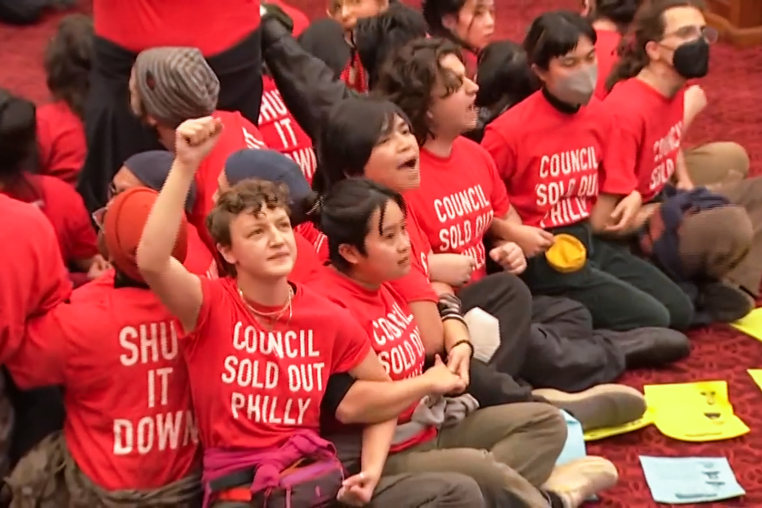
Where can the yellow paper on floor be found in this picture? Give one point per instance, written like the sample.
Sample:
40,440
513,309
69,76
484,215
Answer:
698,411
602,433
750,324
756,375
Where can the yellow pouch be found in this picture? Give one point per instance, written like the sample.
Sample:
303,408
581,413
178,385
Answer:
698,411
602,433
567,254
751,324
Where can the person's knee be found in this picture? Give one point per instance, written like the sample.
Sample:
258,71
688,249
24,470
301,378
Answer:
548,420
734,232
735,157
458,490
680,308
512,288
648,311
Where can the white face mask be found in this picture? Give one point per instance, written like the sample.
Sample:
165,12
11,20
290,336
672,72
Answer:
578,87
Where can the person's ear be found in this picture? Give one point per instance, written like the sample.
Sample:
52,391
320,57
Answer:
350,253
541,73
652,50
450,22
227,254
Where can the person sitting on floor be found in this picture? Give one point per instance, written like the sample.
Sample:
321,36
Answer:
711,242
130,434
241,412
552,152
366,225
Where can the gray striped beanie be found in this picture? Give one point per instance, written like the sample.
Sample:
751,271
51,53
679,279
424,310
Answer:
176,84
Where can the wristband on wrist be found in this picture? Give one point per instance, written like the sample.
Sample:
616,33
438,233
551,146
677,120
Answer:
463,341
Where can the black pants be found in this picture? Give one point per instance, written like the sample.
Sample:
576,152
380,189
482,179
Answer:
544,342
22,12
621,290
114,133
37,413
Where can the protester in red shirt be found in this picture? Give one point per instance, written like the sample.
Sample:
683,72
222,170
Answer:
150,169
130,428
170,85
228,37
718,243
369,246
274,167
281,132
60,132
469,23
58,201
271,374
563,183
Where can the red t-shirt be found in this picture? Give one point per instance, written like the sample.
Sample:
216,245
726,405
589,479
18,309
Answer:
60,141
553,163
301,21
392,330
34,279
66,211
606,52
129,419
238,133
281,132
648,130
208,25
256,387
458,197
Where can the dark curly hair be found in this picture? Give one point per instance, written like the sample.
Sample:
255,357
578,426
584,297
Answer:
68,59
409,77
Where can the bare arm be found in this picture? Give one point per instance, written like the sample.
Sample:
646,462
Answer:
177,288
375,402
430,326
682,175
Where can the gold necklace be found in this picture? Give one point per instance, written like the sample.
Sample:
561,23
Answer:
275,315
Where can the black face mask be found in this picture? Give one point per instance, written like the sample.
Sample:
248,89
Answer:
691,60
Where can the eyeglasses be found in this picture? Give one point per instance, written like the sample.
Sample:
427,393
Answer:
98,216
709,34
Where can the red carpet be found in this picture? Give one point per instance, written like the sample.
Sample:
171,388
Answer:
734,90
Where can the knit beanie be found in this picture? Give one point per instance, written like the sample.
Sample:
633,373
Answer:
123,226
152,168
176,84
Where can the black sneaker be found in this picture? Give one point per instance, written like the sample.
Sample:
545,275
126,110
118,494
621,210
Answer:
725,302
